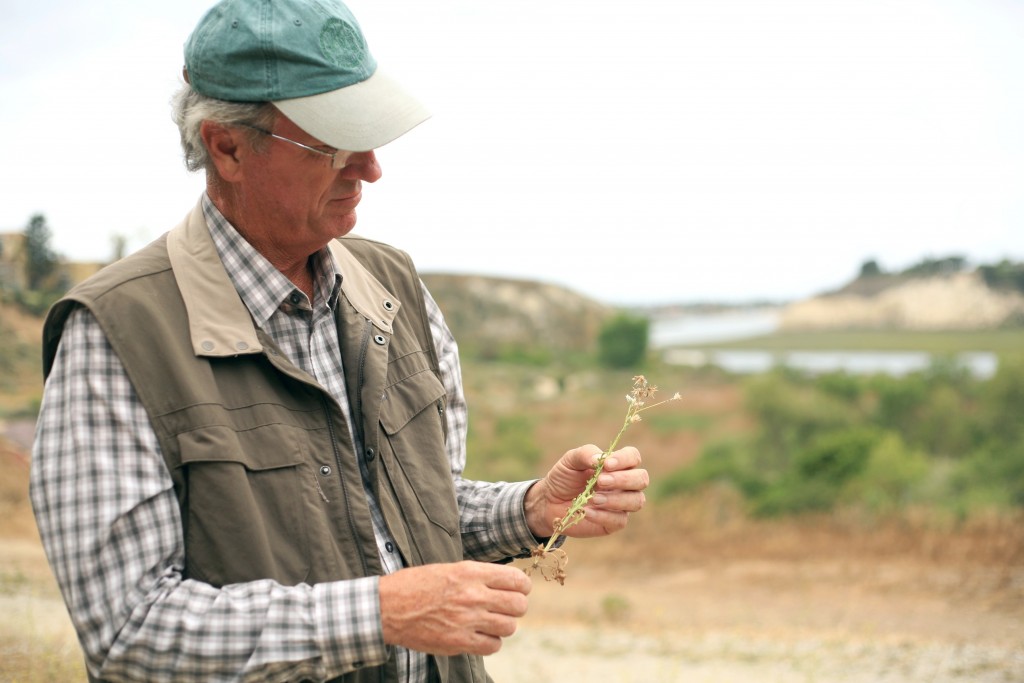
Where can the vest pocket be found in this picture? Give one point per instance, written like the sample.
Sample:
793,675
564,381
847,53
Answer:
417,463
244,504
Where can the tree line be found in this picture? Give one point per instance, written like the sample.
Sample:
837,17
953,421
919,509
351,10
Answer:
1005,274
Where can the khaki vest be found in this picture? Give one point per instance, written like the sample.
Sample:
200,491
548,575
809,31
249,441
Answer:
261,457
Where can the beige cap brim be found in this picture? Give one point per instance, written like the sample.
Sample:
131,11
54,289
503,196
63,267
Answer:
357,118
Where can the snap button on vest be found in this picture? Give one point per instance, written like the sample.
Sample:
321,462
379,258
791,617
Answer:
379,338
370,455
241,346
389,546
388,306
208,346
325,470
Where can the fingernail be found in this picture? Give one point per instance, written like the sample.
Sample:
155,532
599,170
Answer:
611,463
605,480
599,499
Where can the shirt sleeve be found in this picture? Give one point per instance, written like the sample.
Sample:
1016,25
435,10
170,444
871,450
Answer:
111,527
491,515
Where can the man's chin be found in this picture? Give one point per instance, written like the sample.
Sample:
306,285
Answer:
345,225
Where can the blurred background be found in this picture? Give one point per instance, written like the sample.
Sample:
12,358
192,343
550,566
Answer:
806,217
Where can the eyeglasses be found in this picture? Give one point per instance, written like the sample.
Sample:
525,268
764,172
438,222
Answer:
338,157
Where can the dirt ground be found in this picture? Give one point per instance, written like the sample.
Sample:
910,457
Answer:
689,593
754,619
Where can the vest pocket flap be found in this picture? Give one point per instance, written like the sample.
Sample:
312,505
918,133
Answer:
266,448
408,398
246,504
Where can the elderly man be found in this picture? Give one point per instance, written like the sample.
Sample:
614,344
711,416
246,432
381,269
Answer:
248,458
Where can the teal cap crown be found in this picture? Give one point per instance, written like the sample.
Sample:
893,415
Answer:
270,50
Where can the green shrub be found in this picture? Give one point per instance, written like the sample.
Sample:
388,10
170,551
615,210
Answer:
1002,405
991,477
790,414
940,438
725,460
836,457
898,401
793,495
622,341
891,477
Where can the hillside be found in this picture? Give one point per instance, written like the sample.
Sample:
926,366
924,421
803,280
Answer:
20,365
954,301
495,317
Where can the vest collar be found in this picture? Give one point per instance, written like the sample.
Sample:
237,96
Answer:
366,294
219,323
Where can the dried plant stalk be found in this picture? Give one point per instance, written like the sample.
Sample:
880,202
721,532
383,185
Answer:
551,561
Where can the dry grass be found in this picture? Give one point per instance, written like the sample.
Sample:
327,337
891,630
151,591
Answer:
21,382
16,519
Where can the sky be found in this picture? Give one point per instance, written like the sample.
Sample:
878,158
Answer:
641,153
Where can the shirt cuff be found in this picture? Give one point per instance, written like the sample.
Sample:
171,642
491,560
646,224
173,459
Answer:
512,533
348,625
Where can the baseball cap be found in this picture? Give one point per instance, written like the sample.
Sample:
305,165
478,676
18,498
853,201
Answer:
307,57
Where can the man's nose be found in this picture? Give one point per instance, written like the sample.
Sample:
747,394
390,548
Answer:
362,166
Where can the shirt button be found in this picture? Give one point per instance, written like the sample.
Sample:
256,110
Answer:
370,455
325,470
380,339
389,546
295,298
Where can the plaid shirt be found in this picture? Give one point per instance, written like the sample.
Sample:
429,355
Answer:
111,525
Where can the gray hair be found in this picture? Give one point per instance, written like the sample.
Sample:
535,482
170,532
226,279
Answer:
190,109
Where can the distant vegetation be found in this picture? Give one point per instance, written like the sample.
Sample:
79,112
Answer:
927,267
938,439
31,278
1005,274
622,342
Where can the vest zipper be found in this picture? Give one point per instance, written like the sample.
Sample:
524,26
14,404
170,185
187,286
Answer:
357,439
358,411
357,415
344,483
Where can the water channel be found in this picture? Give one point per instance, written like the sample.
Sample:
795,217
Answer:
706,329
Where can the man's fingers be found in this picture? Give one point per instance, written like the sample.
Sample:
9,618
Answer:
609,521
630,480
623,501
506,604
498,626
452,608
508,579
622,459
483,644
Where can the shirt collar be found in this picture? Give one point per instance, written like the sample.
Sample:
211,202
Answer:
262,287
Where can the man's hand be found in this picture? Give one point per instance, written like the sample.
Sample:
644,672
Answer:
619,491
449,609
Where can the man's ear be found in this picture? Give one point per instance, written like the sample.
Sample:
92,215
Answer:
223,144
